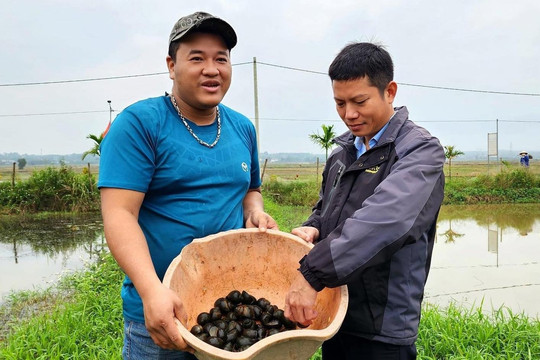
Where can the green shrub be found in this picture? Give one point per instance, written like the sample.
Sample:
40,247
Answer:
51,189
516,186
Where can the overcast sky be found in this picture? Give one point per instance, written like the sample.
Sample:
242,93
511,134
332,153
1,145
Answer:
489,45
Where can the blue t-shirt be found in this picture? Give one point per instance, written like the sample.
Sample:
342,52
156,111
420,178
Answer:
191,191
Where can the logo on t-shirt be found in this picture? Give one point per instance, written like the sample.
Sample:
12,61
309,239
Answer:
245,167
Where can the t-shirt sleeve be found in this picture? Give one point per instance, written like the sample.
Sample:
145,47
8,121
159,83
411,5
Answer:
127,152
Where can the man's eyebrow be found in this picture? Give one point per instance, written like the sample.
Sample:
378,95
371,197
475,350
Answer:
358,97
220,52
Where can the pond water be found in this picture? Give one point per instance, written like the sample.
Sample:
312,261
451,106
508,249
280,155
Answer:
36,250
488,254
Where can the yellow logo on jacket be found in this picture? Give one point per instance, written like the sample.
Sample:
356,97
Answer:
373,170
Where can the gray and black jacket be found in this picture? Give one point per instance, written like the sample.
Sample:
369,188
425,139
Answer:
377,216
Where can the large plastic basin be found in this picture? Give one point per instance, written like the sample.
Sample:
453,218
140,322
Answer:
263,264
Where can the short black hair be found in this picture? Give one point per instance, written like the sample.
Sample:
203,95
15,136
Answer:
173,47
361,59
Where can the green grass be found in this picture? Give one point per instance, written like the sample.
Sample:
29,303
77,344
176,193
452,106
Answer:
80,319
459,333
287,216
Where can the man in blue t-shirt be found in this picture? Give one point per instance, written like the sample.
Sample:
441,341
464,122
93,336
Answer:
175,168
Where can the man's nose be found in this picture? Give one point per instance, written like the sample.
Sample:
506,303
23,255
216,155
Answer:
350,112
210,69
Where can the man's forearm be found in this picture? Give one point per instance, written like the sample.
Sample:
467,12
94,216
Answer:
253,201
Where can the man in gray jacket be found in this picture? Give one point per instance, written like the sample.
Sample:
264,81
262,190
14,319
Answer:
374,224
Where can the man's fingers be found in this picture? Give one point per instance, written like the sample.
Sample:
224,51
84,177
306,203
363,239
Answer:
263,223
180,313
271,223
301,234
167,336
304,235
287,312
174,336
300,301
160,338
298,314
310,314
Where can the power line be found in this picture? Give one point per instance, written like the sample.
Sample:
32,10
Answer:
416,85
95,79
55,113
453,121
83,80
271,65
292,68
471,90
275,119
417,121
306,120
520,121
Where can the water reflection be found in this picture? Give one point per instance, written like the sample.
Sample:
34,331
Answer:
482,253
487,254
35,250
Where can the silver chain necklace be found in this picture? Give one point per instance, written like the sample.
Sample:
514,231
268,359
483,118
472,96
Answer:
191,131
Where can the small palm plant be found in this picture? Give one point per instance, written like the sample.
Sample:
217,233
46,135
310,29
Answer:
451,152
324,140
97,142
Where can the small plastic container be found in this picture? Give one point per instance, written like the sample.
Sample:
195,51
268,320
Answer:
264,265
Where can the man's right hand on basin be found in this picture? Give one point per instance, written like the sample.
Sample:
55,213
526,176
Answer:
300,301
161,308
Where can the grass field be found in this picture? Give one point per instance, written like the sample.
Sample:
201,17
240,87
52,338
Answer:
308,171
459,169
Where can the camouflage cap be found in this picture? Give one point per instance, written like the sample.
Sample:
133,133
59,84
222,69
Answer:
203,22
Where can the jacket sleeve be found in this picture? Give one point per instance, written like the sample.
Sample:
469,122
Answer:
402,208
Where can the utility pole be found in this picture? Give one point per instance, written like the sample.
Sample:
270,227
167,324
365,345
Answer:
110,111
256,101
499,158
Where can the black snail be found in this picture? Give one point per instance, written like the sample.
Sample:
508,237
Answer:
239,320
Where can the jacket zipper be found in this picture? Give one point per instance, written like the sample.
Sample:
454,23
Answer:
334,186
338,176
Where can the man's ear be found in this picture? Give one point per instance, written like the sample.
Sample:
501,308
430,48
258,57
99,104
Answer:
391,91
170,67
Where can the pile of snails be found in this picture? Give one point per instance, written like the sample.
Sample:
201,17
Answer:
239,320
